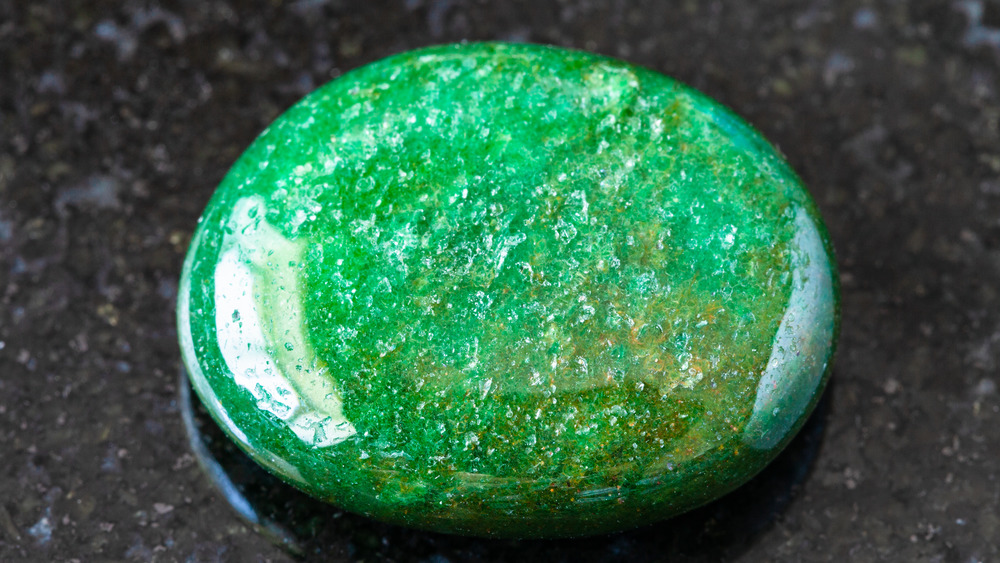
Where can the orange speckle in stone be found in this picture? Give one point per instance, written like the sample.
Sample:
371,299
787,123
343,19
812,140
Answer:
699,366
712,311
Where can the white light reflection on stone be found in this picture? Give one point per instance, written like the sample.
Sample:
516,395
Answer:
260,328
801,345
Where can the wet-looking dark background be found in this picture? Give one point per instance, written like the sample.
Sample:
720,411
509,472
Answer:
118,119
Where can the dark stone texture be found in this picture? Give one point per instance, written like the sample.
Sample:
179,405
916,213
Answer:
118,120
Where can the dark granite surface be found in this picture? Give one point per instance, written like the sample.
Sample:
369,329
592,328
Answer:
117,120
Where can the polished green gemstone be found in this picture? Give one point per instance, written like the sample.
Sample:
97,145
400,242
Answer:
510,290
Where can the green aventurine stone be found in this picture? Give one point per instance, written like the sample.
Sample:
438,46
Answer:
510,290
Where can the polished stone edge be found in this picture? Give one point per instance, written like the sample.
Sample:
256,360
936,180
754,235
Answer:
286,516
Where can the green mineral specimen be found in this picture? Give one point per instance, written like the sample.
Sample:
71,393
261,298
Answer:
510,290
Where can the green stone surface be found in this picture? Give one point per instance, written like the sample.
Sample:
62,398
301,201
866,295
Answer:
510,290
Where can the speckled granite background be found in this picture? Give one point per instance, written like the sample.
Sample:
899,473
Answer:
117,120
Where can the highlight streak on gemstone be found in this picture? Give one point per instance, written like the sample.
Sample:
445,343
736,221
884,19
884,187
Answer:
260,328
794,368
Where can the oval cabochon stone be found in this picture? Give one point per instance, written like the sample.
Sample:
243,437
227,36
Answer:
510,290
